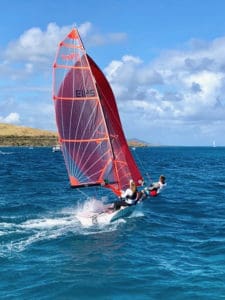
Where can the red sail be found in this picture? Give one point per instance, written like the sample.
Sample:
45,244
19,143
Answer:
90,132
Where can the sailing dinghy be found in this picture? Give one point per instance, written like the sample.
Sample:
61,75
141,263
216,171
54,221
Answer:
90,132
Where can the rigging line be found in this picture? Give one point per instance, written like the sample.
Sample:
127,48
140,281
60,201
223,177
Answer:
61,87
61,102
97,194
142,166
83,193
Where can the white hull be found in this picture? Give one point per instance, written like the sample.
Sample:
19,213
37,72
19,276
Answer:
90,219
56,148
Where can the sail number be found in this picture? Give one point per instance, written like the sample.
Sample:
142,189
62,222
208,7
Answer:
85,93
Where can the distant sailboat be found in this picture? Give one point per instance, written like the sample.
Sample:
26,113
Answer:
56,148
90,132
214,143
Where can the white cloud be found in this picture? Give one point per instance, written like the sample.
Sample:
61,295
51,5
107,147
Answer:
12,118
35,45
180,92
186,86
26,72
34,50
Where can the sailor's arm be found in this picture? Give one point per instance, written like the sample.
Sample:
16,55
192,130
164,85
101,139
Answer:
126,193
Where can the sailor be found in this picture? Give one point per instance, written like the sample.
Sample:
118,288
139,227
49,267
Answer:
130,194
155,188
128,197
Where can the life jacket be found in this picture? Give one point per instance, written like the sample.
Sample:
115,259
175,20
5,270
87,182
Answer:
132,199
153,193
134,195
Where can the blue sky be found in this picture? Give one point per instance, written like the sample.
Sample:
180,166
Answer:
165,61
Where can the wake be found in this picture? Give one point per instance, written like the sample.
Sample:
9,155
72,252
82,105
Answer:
16,236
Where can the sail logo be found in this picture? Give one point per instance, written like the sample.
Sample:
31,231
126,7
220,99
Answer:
85,93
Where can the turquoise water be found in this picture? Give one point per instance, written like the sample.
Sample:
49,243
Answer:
171,247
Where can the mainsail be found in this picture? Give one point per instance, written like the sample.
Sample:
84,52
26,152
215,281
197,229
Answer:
89,127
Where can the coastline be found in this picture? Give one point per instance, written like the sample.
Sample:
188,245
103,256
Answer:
20,136
44,141
27,141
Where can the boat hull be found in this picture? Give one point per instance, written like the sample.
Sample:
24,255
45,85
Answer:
103,218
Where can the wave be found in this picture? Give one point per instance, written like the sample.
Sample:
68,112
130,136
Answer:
5,153
17,236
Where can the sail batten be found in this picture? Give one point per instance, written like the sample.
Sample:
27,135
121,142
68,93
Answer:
71,46
84,141
74,98
89,127
71,67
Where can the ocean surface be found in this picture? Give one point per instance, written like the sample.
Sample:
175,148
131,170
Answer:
171,247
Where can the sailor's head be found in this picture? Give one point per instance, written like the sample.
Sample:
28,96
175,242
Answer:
132,183
162,178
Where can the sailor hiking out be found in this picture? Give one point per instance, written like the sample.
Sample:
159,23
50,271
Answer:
155,188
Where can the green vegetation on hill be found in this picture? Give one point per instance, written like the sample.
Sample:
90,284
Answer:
137,143
11,135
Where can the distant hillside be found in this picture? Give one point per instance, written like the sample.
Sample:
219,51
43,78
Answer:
138,143
12,135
